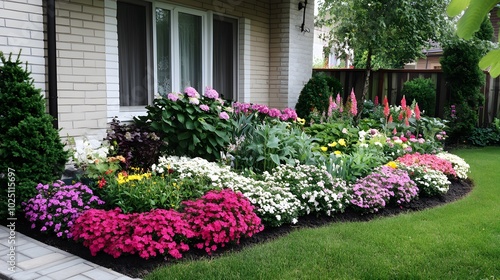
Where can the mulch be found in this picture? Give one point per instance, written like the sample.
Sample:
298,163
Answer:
135,266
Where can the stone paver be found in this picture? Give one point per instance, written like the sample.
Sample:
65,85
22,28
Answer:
39,261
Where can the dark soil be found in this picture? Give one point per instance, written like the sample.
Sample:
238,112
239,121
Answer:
135,266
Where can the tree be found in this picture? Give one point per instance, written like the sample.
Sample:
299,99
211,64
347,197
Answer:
470,22
464,79
393,31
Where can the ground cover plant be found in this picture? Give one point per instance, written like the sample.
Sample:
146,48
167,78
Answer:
271,170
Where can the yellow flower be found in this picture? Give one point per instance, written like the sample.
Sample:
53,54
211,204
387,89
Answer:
342,142
324,148
333,144
301,121
392,164
337,152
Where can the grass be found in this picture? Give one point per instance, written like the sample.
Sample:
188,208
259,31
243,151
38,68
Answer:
460,240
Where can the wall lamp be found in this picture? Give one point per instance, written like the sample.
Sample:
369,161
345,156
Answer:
303,5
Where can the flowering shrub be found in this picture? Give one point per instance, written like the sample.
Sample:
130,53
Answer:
57,206
430,182
191,124
386,184
313,186
221,217
459,165
429,160
147,234
264,112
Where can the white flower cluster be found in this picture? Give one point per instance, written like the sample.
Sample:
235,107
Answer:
459,165
87,152
274,204
429,181
313,186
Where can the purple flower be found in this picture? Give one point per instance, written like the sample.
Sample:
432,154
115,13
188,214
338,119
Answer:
224,116
173,96
211,93
204,107
191,92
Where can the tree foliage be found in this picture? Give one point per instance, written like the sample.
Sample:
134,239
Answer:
470,22
394,31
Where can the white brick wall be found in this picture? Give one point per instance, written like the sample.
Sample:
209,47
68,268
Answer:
81,68
21,29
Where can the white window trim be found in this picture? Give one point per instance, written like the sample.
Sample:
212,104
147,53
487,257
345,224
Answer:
206,60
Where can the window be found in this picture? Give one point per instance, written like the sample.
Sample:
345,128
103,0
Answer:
225,56
191,48
134,53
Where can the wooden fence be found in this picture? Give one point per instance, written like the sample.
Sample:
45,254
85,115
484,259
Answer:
389,82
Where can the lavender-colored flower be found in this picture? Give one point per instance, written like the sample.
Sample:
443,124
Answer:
191,92
173,96
204,107
224,116
211,93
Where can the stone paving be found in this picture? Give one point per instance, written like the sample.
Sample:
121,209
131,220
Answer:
36,260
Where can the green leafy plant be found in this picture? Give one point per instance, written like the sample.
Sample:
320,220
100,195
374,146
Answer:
313,99
190,124
29,143
273,144
422,91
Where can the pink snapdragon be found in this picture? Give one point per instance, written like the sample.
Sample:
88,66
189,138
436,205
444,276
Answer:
354,104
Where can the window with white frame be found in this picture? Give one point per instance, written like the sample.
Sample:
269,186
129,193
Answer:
191,48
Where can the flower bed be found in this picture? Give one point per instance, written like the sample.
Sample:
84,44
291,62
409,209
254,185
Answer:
262,168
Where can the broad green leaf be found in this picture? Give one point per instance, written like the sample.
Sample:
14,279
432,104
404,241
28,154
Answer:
184,135
180,117
275,158
492,60
190,110
471,21
456,7
273,143
189,124
196,140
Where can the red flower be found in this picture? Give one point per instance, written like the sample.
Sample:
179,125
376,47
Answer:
417,112
102,183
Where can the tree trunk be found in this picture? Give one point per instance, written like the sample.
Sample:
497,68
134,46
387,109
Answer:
367,76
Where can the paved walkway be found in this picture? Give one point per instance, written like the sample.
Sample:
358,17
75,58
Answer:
36,260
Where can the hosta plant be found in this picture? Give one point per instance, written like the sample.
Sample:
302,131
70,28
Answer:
57,206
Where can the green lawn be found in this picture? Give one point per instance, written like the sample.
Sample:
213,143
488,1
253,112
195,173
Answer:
460,240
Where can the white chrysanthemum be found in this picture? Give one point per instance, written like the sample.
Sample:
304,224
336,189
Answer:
459,165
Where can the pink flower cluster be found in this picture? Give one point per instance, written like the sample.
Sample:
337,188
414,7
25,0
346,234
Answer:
57,206
429,160
265,111
382,186
220,217
217,218
146,234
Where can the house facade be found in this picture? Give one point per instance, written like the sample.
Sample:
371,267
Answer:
111,57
